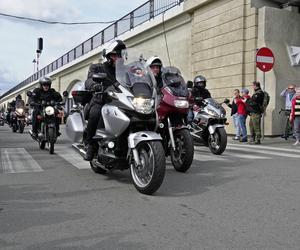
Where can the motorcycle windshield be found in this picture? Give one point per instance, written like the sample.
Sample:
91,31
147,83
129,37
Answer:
211,102
172,78
136,77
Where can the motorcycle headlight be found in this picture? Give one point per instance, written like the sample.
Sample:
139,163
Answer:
20,111
181,104
49,110
142,105
211,112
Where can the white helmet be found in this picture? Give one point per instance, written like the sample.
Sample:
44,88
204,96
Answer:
116,47
154,61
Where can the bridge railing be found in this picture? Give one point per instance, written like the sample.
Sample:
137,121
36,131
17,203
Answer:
142,14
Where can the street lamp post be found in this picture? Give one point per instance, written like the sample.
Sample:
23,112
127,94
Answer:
34,62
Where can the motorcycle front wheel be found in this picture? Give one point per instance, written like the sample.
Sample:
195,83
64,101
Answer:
149,175
217,141
51,139
21,127
183,155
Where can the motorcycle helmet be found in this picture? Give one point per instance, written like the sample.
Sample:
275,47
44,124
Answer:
154,61
19,97
115,47
200,82
45,81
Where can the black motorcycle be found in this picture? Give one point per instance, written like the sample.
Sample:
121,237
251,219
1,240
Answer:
18,119
47,134
2,119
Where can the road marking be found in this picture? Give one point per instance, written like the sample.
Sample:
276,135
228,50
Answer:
227,155
72,157
18,160
261,151
289,150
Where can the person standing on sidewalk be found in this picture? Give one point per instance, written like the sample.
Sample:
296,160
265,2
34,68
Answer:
288,93
234,114
295,115
254,107
242,113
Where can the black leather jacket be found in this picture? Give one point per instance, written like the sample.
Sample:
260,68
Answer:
40,95
203,93
109,81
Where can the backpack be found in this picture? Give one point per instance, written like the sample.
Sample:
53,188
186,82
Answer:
265,102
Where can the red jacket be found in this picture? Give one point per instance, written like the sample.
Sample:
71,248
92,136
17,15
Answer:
295,108
242,105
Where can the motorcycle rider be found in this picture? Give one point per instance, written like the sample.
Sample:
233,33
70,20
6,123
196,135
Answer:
155,65
43,93
112,53
199,93
17,103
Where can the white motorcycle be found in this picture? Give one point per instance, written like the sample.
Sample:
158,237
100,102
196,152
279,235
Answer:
128,139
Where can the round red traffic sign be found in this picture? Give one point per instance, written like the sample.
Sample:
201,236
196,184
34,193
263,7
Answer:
264,59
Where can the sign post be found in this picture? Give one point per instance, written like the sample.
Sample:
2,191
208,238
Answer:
264,61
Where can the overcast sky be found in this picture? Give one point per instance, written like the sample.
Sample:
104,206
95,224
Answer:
18,38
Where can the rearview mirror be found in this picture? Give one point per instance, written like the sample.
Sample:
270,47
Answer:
65,93
189,84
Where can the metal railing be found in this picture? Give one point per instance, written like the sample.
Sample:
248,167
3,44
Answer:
142,14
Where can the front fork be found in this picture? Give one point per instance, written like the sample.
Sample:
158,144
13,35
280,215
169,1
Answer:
171,134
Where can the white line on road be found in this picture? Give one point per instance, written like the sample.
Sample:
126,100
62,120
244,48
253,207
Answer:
18,160
261,151
289,150
227,155
72,157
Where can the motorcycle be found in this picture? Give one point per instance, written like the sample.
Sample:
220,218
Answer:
2,119
18,119
128,139
47,133
208,126
172,112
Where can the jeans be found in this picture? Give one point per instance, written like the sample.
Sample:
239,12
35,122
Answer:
190,116
236,125
242,124
297,127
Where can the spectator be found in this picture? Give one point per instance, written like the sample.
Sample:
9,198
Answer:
254,107
242,114
295,115
288,93
234,114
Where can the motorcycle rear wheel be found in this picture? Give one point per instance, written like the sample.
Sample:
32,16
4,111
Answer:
148,177
217,142
182,157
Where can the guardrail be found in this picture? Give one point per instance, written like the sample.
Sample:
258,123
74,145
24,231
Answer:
143,13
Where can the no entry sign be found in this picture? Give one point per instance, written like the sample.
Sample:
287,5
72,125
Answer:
265,59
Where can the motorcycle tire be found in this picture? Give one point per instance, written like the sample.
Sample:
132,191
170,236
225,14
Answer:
221,141
51,140
21,127
97,167
182,157
149,177
14,128
42,144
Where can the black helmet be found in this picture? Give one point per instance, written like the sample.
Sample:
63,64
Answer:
115,47
200,82
19,97
45,81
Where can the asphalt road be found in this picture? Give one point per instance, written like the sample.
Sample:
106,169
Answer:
247,198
